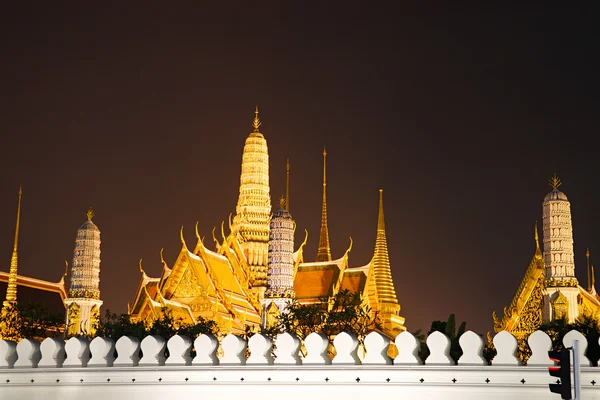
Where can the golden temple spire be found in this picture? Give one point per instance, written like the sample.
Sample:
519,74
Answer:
256,122
11,290
555,182
382,271
324,251
90,214
287,185
538,252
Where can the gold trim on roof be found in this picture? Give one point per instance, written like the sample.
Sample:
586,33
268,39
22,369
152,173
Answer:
555,182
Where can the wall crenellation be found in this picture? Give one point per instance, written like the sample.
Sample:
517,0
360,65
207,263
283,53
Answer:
80,368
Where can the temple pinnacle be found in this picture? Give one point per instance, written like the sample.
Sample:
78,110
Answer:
324,251
287,185
90,213
555,182
11,290
256,123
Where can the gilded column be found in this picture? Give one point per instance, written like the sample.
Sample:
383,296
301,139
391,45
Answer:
253,210
83,303
324,250
561,290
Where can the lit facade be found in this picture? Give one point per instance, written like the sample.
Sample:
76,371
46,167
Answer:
254,269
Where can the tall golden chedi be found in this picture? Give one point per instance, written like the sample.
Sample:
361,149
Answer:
253,210
9,312
83,303
11,290
381,290
245,281
549,290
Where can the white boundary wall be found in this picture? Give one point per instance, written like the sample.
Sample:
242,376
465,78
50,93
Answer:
78,369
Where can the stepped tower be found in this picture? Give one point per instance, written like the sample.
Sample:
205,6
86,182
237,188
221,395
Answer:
280,287
251,222
561,286
83,304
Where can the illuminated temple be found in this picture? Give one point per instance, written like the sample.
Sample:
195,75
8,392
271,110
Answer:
253,270
549,290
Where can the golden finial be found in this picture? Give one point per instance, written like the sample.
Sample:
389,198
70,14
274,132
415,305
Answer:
305,238
181,237
162,260
555,182
282,202
90,213
223,231
66,269
349,247
538,251
197,234
256,123
215,237
141,269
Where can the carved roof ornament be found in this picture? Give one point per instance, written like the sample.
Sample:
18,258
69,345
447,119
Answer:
282,202
90,214
538,251
256,122
555,182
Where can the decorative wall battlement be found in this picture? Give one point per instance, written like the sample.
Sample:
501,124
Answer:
81,368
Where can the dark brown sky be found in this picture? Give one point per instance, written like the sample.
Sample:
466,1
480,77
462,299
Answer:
460,114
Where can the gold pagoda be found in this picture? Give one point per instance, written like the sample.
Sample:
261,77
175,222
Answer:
228,283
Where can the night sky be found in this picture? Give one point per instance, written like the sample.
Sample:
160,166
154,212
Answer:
461,115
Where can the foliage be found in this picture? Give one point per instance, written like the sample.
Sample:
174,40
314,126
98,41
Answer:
29,320
346,313
114,326
448,328
586,324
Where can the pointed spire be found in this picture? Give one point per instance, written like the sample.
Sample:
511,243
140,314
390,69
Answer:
256,122
538,251
324,251
382,271
11,290
593,280
287,185
589,271
90,213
